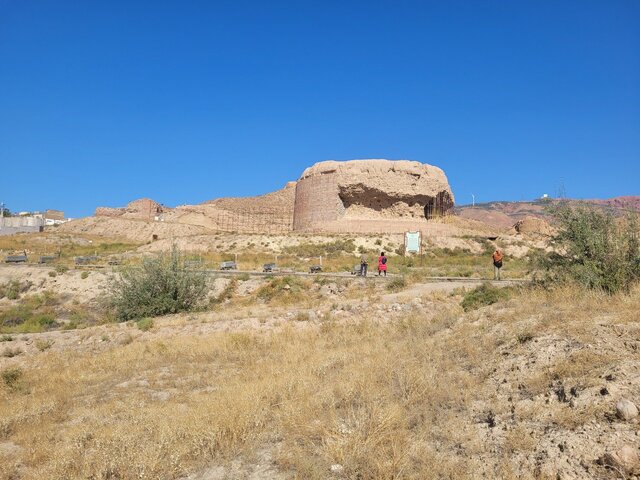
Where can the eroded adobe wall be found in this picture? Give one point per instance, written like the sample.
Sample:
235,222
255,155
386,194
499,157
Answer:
316,202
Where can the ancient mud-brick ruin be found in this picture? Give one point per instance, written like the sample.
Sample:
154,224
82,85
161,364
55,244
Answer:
370,196
143,208
356,196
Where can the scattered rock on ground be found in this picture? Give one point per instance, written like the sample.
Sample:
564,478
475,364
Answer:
626,409
329,289
625,459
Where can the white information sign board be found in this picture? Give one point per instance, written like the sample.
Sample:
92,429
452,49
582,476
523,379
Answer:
412,242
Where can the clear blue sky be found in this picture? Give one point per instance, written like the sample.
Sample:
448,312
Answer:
185,101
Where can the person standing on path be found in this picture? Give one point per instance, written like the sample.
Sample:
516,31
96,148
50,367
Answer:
497,263
382,264
363,265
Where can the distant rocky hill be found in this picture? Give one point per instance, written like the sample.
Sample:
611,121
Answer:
507,214
630,202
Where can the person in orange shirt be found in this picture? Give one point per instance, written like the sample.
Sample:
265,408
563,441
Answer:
497,263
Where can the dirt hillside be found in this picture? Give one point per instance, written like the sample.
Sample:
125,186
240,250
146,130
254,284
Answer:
331,380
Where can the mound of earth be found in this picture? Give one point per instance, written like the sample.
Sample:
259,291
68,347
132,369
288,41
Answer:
533,225
279,202
143,208
130,229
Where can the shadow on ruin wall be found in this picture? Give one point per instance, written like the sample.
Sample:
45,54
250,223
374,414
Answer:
359,200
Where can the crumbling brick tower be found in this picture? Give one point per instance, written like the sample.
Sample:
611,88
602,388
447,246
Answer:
369,196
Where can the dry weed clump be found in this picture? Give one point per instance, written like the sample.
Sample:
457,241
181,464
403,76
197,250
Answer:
12,289
11,377
427,396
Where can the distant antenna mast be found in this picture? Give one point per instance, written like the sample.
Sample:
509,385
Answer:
473,200
562,192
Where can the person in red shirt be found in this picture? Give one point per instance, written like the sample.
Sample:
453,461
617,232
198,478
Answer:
497,263
382,264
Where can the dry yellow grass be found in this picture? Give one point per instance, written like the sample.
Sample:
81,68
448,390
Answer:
68,246
408,398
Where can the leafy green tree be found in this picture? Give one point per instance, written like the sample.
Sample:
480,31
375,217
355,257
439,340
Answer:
594,248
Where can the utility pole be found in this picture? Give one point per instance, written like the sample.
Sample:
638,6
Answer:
562,191
1,214
473,200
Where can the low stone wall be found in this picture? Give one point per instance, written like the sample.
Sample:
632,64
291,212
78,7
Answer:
11,225
380,226
13,230
21,222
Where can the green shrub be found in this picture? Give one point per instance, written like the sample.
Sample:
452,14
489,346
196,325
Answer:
49,298
594,249
53,274
145,324
81,316
26,318
396,284
84,275
60,269
71,325
485,294
161,285
12,290
464,272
